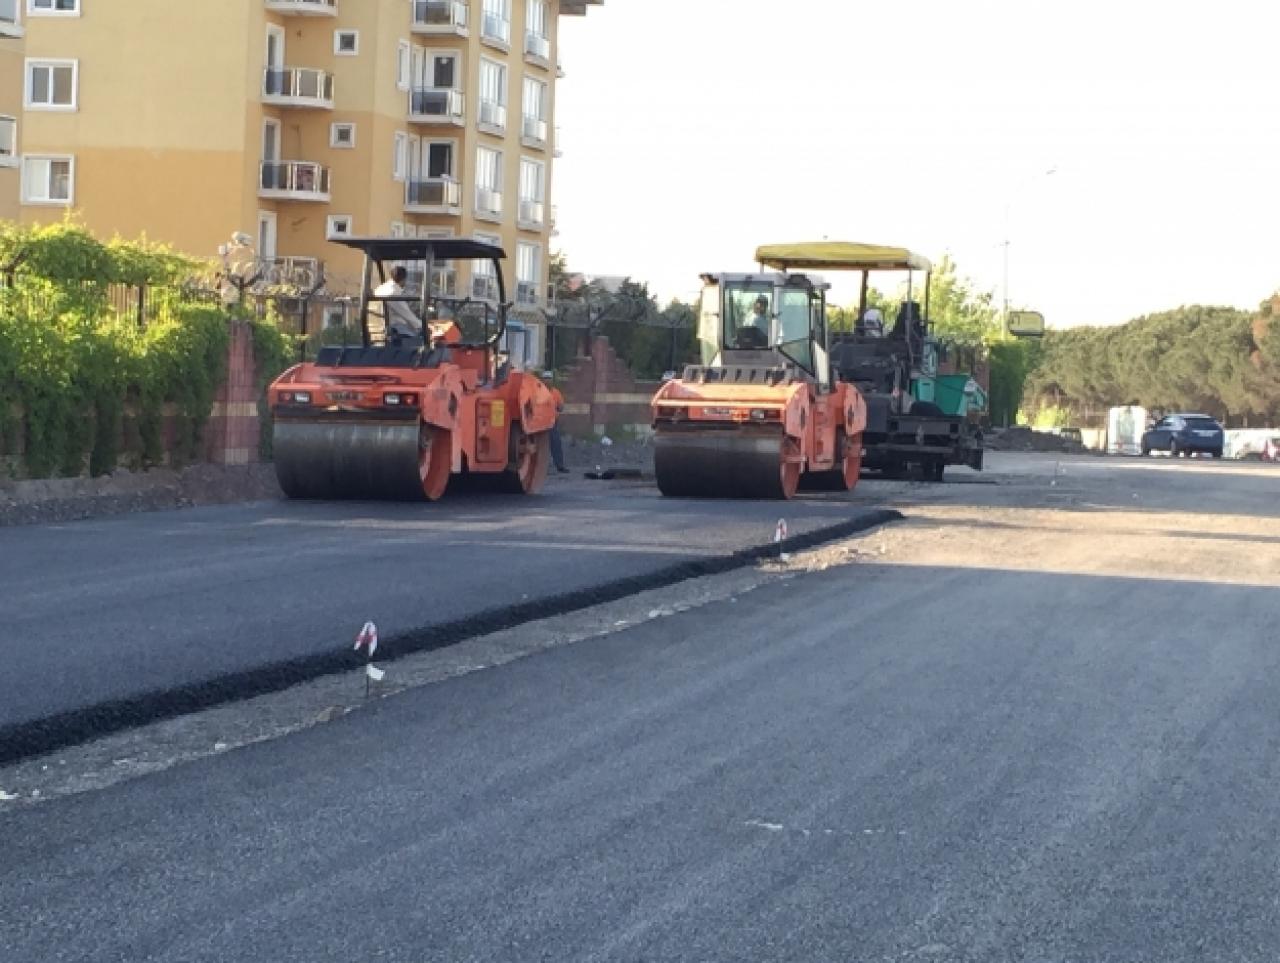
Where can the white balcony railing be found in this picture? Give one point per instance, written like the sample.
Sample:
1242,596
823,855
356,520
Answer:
304,8
556,149
294,180
537,47
298,272
10,26
533,132
532,214
435,105
440,16
488,202
297,87
495,28
493,115
526,292
433,195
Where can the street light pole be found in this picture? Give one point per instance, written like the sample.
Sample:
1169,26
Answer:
1008,207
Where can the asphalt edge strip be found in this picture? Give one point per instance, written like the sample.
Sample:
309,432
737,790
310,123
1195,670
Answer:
24,740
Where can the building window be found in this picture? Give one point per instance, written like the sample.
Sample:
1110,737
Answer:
397,229
496,23
536,18
533,179
537,36
535,127
528,272
53,8
438,156
404,64
438,72
48,180
51,84
342,136
346,43
488,181
493,95
8,141
339,225
484,280
400,155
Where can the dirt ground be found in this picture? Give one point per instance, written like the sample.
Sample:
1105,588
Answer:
65,499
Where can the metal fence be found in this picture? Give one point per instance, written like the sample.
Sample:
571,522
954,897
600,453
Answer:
143,303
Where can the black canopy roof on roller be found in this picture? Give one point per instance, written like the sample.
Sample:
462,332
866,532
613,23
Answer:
415,248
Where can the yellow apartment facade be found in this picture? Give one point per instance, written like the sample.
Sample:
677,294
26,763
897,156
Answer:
11,47
292,121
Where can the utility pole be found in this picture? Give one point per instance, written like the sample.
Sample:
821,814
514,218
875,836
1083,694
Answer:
1008,207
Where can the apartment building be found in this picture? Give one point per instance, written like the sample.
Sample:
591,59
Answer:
292,121
11,46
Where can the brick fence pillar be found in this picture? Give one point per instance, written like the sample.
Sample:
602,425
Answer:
232,432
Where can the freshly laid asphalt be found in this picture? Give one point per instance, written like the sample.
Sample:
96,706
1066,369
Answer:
97,613
984,760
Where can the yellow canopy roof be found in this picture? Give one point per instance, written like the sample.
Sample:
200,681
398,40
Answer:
840,256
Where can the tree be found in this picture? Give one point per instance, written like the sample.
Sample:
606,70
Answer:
1195,357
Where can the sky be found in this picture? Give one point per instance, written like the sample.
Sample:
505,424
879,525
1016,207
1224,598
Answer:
695,130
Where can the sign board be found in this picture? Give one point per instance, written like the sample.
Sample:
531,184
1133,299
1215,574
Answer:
1026,324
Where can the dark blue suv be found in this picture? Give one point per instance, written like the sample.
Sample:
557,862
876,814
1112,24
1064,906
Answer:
1183,435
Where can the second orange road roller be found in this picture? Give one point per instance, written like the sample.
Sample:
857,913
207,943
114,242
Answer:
763,415
423,399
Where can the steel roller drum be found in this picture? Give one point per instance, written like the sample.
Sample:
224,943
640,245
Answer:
349,458
732,463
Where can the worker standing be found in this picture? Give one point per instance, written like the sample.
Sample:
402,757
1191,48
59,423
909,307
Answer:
557,445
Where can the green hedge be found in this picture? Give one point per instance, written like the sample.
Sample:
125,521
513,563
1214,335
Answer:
75,366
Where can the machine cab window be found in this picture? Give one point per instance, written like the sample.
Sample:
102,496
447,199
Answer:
748,316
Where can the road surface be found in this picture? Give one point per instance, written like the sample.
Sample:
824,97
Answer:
110,609
1036,721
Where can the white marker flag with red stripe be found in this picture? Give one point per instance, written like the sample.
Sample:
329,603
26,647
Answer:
368,638
780,533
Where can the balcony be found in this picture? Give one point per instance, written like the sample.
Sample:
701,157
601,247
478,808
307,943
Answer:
537,49
555,148
495,31
304,8
484,287
298,272
493,117
440,17
555,219
488,204
297,87
527,292
432,105
294,181
531,216
9,25
433,195
533,133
